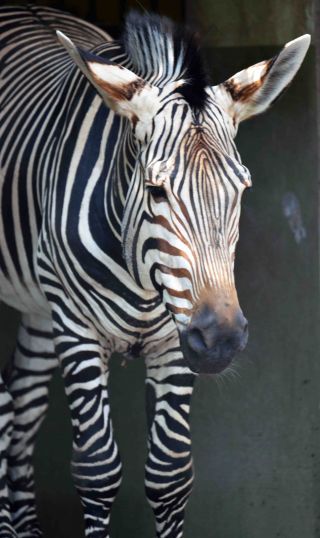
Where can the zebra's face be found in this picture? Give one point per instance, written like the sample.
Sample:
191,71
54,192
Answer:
181,227
181,216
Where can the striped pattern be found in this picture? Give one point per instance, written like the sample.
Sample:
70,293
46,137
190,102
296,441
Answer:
27,378
111,231
6,423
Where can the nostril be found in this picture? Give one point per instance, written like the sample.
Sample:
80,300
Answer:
228,344
196,340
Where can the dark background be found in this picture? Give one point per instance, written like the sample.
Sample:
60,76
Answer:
256,436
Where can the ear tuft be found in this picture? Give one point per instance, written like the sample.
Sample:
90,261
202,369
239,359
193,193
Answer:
299,46
69,46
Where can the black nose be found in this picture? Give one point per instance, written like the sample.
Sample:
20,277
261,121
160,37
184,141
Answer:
213,338
206,331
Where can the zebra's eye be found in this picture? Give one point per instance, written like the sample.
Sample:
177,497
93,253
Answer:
158,193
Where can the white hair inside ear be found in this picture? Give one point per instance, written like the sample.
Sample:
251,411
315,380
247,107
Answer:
253,90
123,91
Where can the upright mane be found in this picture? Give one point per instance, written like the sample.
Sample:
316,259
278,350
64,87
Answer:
162,51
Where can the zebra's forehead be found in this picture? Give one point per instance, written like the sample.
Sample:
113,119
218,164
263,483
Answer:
177,120
198,158
193,144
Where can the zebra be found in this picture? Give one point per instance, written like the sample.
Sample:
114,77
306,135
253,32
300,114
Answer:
120,200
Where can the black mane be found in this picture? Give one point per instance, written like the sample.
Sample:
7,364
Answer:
162,51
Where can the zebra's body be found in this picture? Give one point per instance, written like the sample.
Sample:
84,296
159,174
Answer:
106,246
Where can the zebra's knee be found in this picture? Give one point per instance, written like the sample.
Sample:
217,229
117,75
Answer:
97,475
168,481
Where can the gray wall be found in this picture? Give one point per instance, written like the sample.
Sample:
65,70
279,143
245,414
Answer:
243,23
256,436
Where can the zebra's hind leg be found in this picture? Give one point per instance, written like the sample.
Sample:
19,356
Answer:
28,376
169,469
6,421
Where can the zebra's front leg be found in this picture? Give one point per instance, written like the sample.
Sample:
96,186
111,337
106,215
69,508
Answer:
6,421
96,465
169,469
28,376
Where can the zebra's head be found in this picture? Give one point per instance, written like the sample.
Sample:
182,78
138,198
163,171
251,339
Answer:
181,216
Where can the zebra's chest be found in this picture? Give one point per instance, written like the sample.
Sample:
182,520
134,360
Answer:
97,285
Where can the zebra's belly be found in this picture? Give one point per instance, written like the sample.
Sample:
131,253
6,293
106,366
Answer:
25,297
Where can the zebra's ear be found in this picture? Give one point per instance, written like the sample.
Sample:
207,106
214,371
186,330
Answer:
253,90
122,90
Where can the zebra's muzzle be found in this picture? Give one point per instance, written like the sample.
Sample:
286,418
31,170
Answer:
213,338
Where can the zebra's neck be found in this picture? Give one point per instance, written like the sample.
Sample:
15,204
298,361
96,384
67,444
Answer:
116,188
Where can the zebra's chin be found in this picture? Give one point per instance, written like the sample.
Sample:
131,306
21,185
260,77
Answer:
200,365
